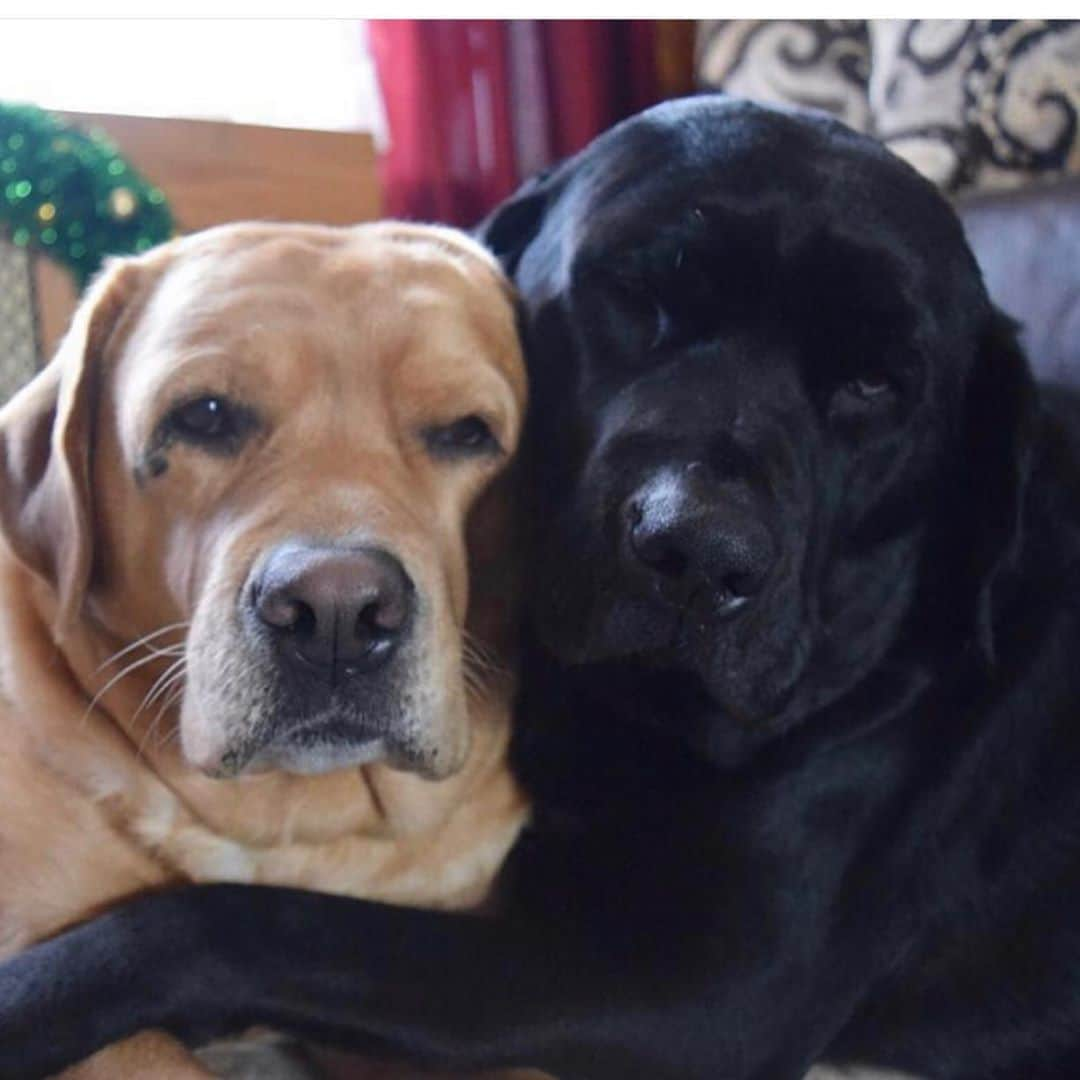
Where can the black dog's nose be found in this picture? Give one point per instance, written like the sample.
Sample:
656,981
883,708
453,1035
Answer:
344,609
685,536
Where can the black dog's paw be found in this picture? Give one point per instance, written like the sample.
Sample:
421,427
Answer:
131,970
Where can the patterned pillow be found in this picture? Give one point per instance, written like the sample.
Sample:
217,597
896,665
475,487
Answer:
823,64
971,103
978,103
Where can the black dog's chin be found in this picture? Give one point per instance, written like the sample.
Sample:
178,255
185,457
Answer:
742,672
624,630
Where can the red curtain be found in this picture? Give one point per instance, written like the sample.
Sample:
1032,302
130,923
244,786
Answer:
476,106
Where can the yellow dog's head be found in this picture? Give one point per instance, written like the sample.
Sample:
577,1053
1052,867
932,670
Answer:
272,437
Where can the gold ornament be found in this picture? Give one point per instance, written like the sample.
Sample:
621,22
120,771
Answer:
122,203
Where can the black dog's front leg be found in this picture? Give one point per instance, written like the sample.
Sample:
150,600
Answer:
207,962
447,989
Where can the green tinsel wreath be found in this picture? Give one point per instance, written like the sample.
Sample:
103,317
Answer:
71,195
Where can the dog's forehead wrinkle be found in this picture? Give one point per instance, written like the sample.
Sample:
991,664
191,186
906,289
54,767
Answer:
658,256
239,296
251,360
201,299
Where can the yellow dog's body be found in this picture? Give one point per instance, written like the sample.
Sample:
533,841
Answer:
119,564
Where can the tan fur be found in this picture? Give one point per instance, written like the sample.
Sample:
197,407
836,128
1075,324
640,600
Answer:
348,342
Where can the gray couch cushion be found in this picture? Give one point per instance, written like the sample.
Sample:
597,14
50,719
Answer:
1028,244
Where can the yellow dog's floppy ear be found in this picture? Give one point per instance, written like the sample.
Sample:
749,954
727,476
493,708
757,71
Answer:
46,443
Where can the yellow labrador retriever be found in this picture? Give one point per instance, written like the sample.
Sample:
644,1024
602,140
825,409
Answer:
238,633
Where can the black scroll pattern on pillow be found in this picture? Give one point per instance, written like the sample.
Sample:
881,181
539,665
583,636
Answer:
815,63
979,103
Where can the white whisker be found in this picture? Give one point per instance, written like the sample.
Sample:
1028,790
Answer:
170,698
479,654
479,666
161,683
123,673
174,734
143,641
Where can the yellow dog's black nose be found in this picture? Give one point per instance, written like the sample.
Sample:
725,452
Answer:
342,609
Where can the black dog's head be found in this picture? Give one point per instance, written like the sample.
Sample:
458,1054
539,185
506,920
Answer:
776,420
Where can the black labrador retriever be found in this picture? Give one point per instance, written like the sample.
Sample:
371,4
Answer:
801,711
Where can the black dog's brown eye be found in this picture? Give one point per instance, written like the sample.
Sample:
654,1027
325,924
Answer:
863,398
869,387
210,421
469,435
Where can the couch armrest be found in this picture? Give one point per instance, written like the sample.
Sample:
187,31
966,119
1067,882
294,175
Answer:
1028,245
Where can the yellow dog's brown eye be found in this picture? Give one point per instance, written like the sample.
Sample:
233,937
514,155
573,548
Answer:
469,435
211,421
207,418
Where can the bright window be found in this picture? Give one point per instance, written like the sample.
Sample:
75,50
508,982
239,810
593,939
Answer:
309,73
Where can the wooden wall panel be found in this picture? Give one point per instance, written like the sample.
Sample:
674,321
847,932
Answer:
217,172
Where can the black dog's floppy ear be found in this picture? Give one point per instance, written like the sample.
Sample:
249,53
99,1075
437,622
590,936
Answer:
509,229
1001,417
46,436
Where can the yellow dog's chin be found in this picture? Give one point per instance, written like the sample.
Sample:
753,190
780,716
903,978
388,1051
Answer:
329,744
313,759
307,753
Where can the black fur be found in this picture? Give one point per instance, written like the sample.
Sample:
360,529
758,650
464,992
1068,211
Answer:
842,823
